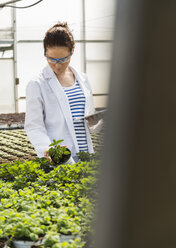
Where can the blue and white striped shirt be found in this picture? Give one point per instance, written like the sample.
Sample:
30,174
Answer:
76,101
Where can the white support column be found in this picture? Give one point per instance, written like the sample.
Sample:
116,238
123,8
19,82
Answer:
84,36
16,80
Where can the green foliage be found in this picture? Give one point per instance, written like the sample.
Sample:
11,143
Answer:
86,156
45,164
58,154
28,171
38,199
53,240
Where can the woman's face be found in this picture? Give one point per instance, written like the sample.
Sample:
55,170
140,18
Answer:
57,53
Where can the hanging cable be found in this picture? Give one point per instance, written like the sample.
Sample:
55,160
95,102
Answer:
23,7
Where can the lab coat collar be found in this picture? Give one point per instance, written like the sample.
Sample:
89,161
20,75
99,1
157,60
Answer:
78,75
48,73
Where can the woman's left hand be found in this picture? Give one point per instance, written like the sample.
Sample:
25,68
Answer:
92,121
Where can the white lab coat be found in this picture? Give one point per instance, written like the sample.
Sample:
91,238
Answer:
48,114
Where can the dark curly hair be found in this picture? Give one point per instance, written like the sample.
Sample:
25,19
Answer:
59,35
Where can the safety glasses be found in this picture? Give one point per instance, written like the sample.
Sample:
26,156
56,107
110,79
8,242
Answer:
60,61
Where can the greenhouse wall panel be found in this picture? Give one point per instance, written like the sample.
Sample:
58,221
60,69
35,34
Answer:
99,51
99,73
48,13
99,19
7,86
100,101
5,18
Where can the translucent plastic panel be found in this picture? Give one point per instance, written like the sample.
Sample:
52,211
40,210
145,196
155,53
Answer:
6,54
32,23
77,57
30,61
100,101
99,19
22,105
6,23
98,74
98,51
7,86
5,17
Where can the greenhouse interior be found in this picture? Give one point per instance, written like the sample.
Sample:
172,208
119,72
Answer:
48,170
87,124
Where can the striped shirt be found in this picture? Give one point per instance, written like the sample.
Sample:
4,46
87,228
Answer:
76,101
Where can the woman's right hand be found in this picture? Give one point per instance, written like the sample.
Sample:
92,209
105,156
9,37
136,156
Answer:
46,155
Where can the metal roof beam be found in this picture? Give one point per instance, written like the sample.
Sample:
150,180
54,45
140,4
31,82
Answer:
8,2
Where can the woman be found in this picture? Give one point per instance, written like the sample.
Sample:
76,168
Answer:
58,99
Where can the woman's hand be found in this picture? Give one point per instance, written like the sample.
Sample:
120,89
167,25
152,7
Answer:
92,121
46,154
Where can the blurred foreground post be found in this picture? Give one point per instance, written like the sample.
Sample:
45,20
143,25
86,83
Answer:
138,182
